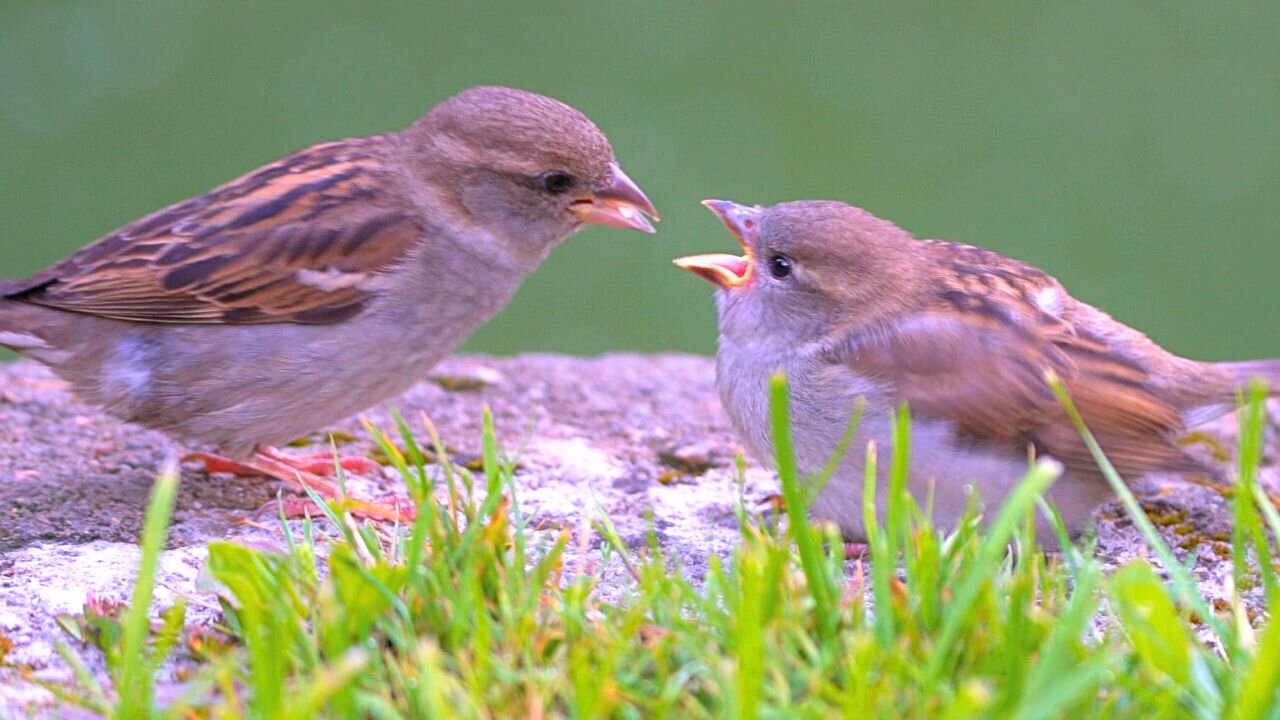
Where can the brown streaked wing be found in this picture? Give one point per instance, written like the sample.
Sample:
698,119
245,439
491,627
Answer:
977,366
304,240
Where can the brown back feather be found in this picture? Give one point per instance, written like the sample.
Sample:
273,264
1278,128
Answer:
302,240
977,355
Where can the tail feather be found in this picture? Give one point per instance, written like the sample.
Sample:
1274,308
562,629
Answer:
1248,371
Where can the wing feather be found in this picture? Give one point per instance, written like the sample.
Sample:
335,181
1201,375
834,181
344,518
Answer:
979,357
307,239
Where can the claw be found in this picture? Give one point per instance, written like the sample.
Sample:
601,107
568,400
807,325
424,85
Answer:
322,464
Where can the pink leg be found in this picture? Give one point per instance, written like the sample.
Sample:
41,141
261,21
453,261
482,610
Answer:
321,463
856,551
269,462
220,464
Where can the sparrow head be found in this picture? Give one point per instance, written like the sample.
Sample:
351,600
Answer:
809,268
525,164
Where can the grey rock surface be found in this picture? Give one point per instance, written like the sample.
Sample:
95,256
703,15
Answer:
635,437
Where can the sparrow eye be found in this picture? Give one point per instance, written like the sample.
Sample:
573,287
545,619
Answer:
556,182
779,266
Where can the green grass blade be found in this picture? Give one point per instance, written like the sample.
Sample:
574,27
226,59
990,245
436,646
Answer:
1183,583
986,565
1248,521
802,532
135,678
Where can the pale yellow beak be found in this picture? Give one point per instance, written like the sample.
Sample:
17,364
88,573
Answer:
621,203
726,271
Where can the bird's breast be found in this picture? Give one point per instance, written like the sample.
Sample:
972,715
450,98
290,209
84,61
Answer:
822,397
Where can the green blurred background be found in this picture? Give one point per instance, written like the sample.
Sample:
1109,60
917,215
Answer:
1132,150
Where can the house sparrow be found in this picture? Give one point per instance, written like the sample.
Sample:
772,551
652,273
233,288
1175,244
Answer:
850,306
322,283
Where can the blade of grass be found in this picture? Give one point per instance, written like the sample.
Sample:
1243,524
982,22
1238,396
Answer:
898,513
135,681
1258,694
986,564
310,698
801,531
883,556
1058,678
1183,582
90,693
1248,523
819,480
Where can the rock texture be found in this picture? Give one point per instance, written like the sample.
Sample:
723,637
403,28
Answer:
635,436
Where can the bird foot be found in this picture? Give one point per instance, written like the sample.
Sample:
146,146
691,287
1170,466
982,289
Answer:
302,473
218,464
320,463
856,550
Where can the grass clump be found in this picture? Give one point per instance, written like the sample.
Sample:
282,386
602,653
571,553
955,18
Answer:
469,612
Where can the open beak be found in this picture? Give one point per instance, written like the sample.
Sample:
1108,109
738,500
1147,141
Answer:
728,271
621,204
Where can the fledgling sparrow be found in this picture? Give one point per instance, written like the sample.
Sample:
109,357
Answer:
324,282
850,306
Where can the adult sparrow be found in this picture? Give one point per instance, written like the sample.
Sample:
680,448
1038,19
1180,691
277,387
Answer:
324,282
850,306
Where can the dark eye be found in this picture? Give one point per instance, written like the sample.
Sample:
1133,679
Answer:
556,182
779,266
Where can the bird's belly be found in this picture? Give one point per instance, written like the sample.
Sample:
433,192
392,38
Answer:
264,384
245,385
948,470
945,474
820,409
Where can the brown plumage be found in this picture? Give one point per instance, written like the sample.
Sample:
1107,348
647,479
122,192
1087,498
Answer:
965,336
301,240
325,282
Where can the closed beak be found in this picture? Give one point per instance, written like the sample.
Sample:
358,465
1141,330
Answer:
621,203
